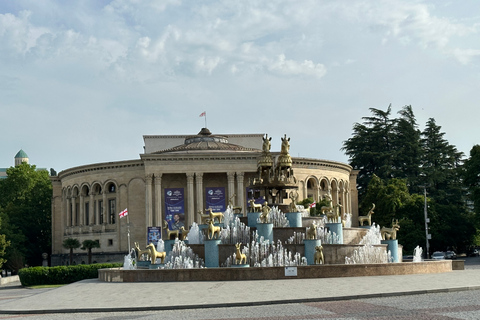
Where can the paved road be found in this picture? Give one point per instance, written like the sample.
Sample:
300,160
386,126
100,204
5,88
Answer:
445,296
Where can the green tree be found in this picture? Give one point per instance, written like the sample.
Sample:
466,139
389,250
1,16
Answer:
408,149
89,245
371,146
3,245
25,200
71,243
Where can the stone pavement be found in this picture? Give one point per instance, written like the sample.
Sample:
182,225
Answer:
95,296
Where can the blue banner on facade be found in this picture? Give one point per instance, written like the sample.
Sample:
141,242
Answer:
154,234
174,208
215,199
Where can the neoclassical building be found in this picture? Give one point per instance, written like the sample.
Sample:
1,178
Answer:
175,177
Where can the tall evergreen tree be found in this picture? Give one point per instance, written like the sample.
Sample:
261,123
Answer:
471,178
370,147
408,150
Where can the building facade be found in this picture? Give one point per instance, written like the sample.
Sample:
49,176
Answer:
176,177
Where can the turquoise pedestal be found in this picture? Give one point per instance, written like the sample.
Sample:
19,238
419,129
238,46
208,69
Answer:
240,266
143,264
338,229
252,219
294,219
168,246
310,249
157,266
392,246
265,230
211,253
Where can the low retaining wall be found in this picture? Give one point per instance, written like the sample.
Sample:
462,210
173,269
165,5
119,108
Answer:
272,273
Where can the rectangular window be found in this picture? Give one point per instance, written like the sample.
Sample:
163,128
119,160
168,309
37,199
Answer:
110,242
100,210
111,210
87,214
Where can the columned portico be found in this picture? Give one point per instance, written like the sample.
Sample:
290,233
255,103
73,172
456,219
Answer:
148,200
240,191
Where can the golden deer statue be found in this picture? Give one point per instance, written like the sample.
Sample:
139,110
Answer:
203,217
239,256
312,232
254,207
368,217
141,252
390,233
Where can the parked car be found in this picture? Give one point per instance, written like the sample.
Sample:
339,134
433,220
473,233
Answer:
473,253
438,255
450,255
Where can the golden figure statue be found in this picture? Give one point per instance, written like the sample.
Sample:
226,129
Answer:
141,252
284,160
390,233
154,254
239,256
312,232
368,217
213,231
169,232
294,196
265,213
318,255
329,208
215,215
266,159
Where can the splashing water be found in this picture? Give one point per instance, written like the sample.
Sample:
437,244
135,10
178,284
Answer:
182,257
194,235
277,217
235,232
129,262
368,253
417,254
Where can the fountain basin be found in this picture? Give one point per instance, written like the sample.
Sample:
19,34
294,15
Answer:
273,273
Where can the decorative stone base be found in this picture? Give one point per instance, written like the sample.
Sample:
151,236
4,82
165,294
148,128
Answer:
303,272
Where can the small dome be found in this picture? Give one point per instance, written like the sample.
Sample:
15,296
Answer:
21,154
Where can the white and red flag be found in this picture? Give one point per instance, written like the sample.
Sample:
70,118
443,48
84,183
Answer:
124,213
203,114
313,205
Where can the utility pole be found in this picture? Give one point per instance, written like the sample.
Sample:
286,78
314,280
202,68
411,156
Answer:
427,235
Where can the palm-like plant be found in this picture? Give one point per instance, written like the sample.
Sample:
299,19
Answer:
89,245
71,243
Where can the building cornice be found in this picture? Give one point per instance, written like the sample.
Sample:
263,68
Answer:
100,167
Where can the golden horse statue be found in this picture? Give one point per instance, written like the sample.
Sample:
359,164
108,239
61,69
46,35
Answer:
213,231
169,232
390,233
154,254
215,215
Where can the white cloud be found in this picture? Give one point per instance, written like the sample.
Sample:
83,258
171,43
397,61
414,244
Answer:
290,67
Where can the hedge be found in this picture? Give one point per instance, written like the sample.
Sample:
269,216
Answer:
62,274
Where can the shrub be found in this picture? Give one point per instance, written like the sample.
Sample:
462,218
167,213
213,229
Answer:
61,274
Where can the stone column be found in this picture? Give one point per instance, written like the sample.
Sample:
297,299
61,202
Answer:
104,206
91,210
74,211
158,200
97,212
82,210
231,185
199,198
241,191
148,200
190,200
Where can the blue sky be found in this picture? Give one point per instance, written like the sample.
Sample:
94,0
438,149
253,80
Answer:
82,82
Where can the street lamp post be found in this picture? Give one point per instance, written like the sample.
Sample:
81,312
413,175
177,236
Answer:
427,235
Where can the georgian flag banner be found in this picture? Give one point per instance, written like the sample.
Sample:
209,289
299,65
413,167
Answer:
313,205
203,114
123,213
